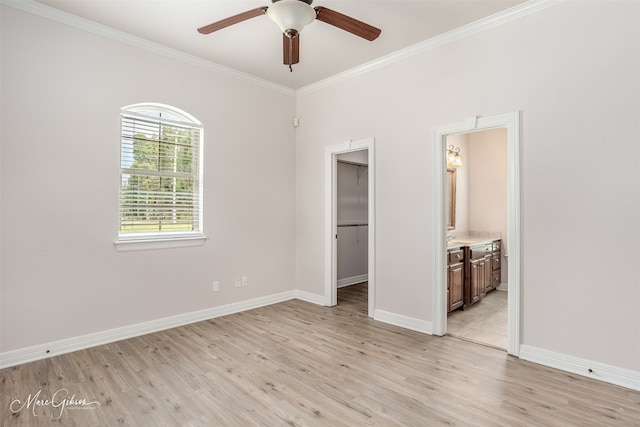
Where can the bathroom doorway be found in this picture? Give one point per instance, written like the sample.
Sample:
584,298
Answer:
477,215
509,122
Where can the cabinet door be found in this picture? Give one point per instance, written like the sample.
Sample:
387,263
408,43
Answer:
476,278
482,282
456,286
488,273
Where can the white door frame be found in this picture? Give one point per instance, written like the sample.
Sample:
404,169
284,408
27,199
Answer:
510,121
331,226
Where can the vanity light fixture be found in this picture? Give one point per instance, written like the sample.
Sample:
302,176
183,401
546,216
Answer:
453,157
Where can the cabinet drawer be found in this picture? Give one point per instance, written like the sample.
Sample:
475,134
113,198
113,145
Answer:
496,278
496,261
456,256
480,251
497,245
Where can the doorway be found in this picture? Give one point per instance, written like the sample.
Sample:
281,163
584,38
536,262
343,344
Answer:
361,227
477,214
510,122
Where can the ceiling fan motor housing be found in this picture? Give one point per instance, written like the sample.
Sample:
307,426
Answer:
291,15
304,1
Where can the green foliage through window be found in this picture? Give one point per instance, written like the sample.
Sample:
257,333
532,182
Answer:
160,185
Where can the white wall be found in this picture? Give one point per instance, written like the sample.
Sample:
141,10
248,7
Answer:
572,70
61,277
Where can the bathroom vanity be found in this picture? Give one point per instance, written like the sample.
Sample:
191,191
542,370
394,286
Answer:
474,268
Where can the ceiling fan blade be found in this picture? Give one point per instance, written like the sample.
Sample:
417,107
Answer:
290,49
207,29
347,23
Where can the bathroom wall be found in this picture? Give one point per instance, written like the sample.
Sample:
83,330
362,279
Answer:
487,159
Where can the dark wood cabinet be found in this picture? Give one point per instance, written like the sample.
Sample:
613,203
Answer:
496,267
455,279
482,271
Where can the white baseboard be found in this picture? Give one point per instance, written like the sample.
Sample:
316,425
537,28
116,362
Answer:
309,297
503,287
607,373
43,351
404,321
599,371
348,281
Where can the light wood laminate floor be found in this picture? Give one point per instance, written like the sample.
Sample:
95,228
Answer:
296,363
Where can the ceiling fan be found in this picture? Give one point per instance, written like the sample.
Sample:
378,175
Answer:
292,16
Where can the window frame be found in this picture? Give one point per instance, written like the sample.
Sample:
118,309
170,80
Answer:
132,241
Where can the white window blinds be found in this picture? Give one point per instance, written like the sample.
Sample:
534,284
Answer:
160,177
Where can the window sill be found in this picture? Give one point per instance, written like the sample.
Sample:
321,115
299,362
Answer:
167,243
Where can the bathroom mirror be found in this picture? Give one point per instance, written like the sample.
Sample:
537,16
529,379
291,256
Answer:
451,195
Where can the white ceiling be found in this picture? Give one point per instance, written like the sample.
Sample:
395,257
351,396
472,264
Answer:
255,46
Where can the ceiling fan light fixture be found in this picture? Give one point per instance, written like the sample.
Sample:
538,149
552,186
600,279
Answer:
291,15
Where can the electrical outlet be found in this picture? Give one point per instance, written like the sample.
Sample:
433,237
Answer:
238,282
245,281
216,286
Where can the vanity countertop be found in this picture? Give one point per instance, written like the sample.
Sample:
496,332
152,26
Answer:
461,242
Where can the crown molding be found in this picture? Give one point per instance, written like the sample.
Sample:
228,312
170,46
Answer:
33,7
495,20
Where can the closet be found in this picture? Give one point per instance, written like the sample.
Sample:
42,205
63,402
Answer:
352,213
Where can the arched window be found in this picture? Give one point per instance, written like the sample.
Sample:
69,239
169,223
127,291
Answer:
160,177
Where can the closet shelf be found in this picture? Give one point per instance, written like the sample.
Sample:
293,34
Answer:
353,224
